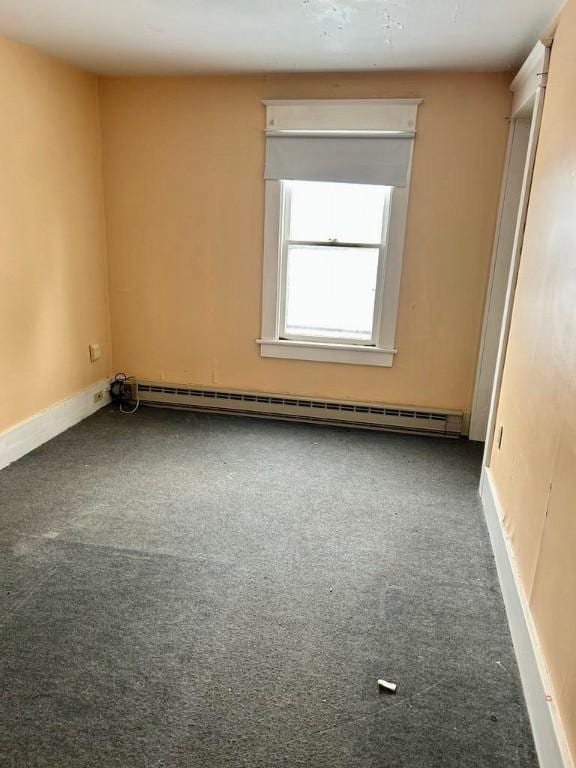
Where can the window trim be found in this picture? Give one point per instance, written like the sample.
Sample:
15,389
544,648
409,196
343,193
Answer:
353,354
381,350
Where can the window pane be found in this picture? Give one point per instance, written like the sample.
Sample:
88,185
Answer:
330,291
350,213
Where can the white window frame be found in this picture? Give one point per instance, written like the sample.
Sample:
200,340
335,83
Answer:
381,349
285,195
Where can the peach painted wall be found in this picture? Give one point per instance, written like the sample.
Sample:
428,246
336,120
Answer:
53,276
183,160
534,471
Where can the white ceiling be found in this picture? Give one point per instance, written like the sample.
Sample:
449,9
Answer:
161,36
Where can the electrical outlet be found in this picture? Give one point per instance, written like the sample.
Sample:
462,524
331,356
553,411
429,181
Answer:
98,396
95,352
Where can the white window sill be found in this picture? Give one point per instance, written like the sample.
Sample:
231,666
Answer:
352,354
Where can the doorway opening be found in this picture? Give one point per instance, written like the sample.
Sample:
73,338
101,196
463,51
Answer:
528,89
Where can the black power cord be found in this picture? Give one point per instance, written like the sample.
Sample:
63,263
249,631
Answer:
121,391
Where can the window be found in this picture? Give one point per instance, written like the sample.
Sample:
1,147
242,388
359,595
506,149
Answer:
336,204
333,252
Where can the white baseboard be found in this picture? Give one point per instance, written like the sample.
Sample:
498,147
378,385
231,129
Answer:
38,429
549,736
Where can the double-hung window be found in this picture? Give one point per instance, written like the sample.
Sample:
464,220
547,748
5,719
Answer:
333,258
337,177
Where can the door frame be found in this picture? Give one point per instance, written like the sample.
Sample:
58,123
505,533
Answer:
528,89
512,178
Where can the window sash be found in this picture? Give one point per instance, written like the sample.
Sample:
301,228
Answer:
285,242
334,244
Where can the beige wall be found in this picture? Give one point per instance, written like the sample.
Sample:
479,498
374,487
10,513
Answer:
183,161
53,291
535,469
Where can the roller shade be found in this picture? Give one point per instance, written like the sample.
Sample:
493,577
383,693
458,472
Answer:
354,159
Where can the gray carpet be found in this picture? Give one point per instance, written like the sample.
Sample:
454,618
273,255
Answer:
187,591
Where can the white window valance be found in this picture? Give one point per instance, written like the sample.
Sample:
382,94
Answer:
364,142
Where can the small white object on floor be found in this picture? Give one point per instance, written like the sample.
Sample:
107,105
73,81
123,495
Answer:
390,687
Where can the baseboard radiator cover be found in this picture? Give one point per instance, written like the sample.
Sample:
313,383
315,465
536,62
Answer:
395,418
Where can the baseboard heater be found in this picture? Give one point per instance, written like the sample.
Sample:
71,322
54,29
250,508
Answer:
423,421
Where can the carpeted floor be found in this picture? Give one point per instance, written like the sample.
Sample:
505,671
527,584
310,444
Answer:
194,591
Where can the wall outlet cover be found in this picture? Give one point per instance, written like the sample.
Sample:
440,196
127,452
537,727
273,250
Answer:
95,352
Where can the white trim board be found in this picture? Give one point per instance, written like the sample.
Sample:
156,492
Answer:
398,115
24,437
526,82
549,736
353,354
512,180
